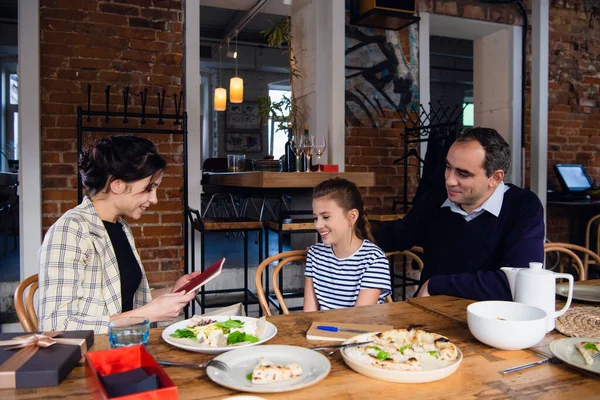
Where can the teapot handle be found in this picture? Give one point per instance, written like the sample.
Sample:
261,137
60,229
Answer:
569,277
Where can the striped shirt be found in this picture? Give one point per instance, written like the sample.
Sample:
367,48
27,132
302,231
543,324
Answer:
337,281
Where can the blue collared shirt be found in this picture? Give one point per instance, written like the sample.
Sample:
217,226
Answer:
493,204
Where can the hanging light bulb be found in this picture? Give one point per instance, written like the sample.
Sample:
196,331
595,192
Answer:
220,98
236,84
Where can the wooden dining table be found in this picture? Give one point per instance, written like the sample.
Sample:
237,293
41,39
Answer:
477,377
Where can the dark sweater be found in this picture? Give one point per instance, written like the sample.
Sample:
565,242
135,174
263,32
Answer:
129,268
463,258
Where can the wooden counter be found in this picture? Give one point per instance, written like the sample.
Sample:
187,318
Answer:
477,377
284,180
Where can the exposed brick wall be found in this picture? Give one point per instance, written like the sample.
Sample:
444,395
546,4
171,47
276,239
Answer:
135,43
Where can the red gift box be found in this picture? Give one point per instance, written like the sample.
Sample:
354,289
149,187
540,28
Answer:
328,168
114,361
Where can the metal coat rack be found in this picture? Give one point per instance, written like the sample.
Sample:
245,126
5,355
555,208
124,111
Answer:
180,128
440,123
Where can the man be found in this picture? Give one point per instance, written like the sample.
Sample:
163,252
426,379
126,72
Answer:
482,225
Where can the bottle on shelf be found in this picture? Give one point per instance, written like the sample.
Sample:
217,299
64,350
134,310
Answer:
289,164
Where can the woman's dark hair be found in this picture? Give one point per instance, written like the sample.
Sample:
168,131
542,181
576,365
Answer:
128,158
497,151
347,196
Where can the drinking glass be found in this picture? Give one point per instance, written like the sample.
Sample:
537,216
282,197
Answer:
297,151
128,331
306,144
319,145
236,162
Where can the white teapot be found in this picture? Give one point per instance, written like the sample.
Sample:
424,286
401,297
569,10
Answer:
536,287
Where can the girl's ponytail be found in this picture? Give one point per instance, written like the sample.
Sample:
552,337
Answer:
363,227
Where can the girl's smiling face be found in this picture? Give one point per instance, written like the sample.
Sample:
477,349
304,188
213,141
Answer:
333,223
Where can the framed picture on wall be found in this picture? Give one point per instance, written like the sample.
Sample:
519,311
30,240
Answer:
243,141
243,116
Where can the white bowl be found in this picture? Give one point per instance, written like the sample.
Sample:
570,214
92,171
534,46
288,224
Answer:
521,326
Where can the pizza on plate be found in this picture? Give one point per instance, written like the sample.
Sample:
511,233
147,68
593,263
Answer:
268,372
588,350
404,350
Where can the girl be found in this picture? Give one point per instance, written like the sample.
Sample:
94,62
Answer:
347,269
90,271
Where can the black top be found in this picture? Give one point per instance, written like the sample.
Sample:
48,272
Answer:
129,268
463,258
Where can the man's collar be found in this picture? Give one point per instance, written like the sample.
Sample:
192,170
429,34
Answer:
493,204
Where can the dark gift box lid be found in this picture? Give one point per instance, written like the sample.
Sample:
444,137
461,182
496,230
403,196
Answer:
49,365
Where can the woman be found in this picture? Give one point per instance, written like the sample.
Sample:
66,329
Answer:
90,271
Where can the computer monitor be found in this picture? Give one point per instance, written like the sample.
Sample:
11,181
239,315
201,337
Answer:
572,177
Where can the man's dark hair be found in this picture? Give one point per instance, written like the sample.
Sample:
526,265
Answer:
497,151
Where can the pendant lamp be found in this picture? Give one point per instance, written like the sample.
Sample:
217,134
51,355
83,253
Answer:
220,98
236,84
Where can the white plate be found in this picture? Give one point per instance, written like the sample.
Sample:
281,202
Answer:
580,292
428,375
315,367
190,345
565,350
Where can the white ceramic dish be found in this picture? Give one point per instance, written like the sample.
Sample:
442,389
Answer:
315,367
580,292
427,375
190,345
565,350
521,326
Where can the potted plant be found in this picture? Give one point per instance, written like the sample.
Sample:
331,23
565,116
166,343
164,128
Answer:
286,113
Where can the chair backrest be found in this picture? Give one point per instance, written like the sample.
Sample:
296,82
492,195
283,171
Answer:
592,226
282,260
25,309
570,249
410,254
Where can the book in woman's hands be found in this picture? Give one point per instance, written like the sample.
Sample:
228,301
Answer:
208,275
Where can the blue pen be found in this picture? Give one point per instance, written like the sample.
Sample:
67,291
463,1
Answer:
336,329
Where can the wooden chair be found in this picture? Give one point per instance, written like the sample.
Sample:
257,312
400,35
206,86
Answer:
588,238
570,249
25,309
288,223
406,281
283,259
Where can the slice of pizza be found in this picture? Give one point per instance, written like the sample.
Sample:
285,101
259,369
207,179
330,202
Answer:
268,372
588,350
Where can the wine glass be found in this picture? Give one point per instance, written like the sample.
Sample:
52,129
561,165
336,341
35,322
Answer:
319,145
297,151
306,144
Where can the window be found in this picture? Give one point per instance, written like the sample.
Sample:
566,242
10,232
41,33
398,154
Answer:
277,137
468,118
9,150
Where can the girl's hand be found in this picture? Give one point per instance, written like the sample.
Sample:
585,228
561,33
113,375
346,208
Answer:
164,308
183,280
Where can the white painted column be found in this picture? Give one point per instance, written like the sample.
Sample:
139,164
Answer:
539,100
318,29
30,180
193,106
424,70
337,69
497,89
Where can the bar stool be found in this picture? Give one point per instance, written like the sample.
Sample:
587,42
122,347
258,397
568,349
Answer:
289,223
237,224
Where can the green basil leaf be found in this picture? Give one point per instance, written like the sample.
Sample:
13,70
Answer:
433,354
229,324
235,337
375,347
249,376
382,355
401,349
591,346
183,333
250,338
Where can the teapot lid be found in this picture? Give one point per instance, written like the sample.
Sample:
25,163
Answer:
536,268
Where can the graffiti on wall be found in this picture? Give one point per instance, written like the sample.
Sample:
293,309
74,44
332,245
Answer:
378,75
